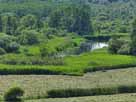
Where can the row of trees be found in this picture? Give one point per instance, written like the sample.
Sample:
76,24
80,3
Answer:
112,12
123,11
12,25
73,19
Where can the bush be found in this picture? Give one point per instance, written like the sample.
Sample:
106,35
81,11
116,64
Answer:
8,44
14,95
29,37
114,45
125,49
2,51
45,51
50,32
13,47
64,93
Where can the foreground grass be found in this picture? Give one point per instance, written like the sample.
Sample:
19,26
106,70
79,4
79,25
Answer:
109,98
75,65
37,86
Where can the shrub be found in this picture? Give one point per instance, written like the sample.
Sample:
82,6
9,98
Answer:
50,32
8,43
114,45
13,47
46,51
64,93
29,37
2,51
29,21
125,49
14,95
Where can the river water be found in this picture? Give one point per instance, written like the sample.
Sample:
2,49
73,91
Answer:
98,45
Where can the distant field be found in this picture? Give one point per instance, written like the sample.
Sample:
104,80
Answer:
109,98
36,86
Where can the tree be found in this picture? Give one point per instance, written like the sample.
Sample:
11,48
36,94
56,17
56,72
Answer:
44,51
13,95
29,21
72,18
82,23
1,23
114,45
8,44
13,47
29,37
2,51
133,38
55,19
9,23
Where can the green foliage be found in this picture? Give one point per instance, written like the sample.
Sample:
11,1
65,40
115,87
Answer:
133,38
125,49
2,51
57,45
44,51
8,43
14,95
29,21
9,23
29,37
114,45
31,50
107,16
51,18
73,19
13,47
52,32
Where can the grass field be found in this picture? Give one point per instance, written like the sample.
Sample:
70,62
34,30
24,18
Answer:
36,86
75,65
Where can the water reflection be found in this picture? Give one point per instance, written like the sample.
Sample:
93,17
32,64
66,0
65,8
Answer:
98,45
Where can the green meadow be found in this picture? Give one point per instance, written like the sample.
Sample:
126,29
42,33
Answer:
73,65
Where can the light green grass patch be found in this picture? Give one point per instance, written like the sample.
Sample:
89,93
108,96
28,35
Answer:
78,64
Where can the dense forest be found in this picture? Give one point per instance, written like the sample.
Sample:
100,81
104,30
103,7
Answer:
27,22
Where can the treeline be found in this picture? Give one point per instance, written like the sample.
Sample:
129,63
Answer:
113,17
29,22
30,29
